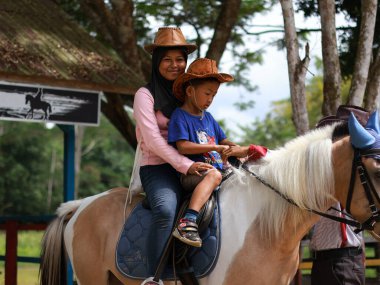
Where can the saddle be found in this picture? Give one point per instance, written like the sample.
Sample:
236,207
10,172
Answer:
131,258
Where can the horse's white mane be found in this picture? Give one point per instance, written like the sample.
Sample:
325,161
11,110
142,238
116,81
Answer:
301,170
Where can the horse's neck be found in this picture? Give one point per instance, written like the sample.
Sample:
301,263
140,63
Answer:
266,264
244,254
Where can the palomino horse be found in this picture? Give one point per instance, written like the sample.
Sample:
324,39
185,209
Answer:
35,104
260,230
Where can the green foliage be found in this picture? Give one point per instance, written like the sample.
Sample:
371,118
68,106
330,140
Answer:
274,130
26,159
25,151
108,163
200,16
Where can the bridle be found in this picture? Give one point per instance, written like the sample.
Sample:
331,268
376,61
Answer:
368,187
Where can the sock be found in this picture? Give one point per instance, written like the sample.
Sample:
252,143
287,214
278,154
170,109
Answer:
191,215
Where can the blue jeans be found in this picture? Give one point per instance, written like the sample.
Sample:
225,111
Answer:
163,189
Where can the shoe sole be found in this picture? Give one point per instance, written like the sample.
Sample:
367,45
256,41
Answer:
177,235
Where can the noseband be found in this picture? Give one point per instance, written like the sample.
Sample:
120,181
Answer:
368,187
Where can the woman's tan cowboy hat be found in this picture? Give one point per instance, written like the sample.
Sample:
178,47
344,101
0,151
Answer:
170,37
199,68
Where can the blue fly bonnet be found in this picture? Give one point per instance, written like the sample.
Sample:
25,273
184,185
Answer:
367,137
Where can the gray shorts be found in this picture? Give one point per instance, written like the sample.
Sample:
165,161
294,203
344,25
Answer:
189,182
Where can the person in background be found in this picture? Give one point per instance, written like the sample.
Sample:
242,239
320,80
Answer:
153,106
338,255
338,252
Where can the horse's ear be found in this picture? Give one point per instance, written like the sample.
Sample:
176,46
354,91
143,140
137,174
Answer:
373,122
360,137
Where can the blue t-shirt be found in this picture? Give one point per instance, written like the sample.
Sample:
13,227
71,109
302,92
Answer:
184,126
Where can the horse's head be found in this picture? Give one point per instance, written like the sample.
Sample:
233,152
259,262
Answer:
363,200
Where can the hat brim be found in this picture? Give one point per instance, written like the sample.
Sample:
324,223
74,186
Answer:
189,47
178,91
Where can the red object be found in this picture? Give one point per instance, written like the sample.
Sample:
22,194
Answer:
11,253
256,152
11,228
343,231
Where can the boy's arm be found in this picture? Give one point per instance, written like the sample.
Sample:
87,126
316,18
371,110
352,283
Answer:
187,147
227,142
253,152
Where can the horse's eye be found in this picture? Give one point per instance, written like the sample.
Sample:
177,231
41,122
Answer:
377,174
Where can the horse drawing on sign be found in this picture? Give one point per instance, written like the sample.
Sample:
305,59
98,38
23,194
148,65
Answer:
37,104
266,208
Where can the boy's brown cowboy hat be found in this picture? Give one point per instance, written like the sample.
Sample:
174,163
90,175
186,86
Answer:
199,68
170,37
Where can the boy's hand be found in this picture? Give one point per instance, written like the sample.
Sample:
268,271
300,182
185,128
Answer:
235,150
221,148
197,167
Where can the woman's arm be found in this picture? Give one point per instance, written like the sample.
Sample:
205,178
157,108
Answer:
146,121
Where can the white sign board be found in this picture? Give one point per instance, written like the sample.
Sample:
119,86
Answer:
21,102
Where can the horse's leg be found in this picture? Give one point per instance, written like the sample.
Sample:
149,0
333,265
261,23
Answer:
27,114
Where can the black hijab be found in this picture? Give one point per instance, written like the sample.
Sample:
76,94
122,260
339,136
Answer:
161,88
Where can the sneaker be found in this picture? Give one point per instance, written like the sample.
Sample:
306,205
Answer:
150,281
187,232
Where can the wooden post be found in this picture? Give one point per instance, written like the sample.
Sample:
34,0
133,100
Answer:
11,253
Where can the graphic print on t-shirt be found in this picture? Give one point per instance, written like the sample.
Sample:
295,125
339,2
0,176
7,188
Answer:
211,157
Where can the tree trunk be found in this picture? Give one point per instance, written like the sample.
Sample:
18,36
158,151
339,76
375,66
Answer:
226,21
364,52
296,69
372,93
115,24
114,110
331,67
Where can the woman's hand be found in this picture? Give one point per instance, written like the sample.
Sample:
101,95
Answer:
198,167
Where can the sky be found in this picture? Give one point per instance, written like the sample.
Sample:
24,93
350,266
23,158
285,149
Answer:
271,77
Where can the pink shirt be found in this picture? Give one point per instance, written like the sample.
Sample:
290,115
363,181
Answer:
152,132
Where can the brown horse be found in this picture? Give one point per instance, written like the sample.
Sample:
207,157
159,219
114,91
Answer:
260,230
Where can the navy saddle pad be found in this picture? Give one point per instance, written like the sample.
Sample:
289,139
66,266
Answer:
131,256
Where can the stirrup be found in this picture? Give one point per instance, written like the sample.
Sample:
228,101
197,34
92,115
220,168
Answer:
150,281
187,232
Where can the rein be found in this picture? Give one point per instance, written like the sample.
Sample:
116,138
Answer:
365,181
